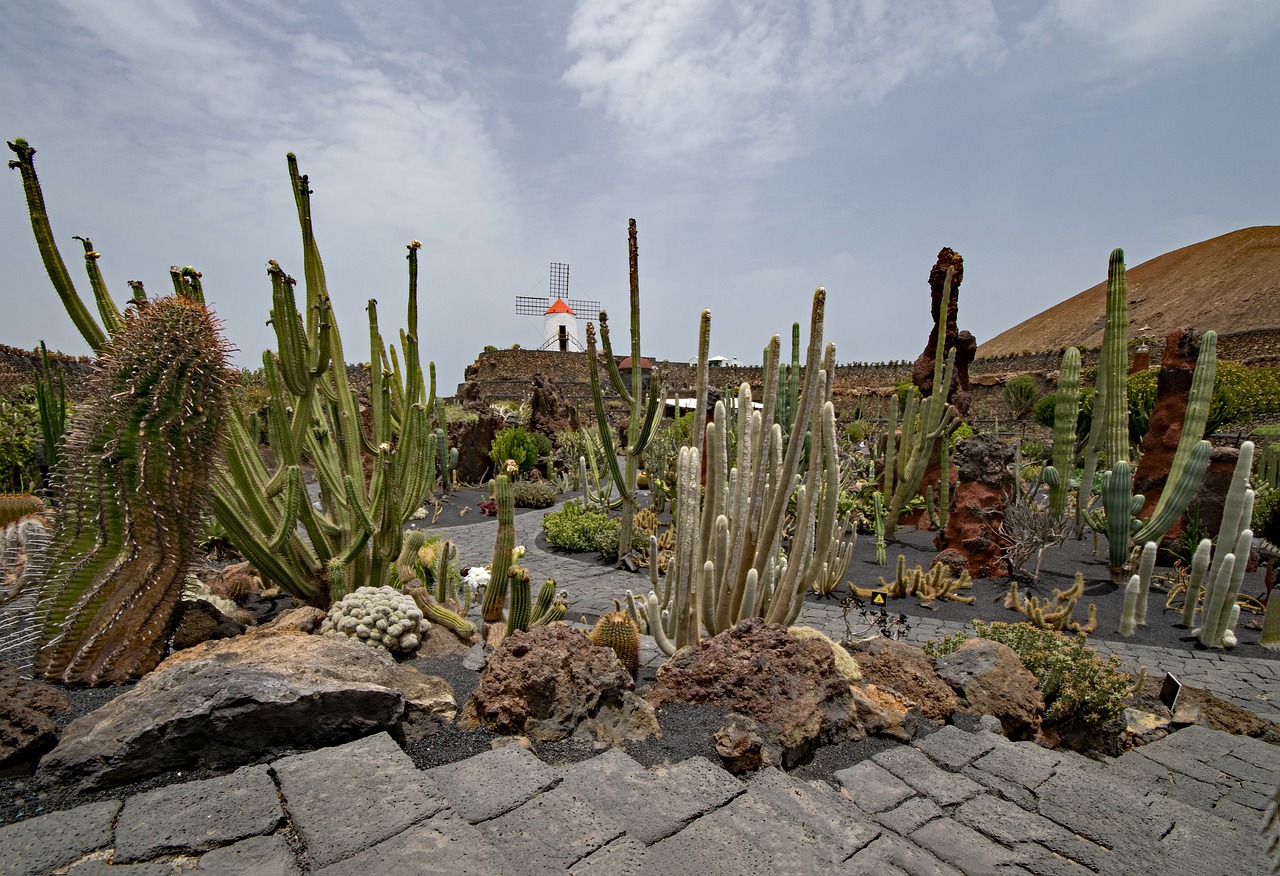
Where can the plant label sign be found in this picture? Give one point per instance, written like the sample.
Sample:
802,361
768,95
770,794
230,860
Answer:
879,597
1169,691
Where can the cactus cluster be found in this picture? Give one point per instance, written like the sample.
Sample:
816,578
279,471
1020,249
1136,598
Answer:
381,617
1225,573
930,586
1054,614
506,578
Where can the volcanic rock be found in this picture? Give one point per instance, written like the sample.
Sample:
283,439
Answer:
232,702
789,687
991,678
973,526
27,727
550,683
909,672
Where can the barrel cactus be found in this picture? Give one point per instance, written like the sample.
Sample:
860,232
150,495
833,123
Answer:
381,617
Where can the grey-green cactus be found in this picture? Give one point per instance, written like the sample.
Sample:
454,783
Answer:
1133,614
1065,415
1230,555
729,561
507,579
380,617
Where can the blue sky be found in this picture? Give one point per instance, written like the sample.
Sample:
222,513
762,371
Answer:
763,146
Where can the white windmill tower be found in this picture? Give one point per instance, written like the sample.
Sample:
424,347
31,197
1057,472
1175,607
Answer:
559,321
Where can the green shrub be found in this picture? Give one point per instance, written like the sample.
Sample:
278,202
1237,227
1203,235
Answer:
1045,409
534,494
1020,394
19,429
1079,688
514,443
574,529
607,541
542,443
856,431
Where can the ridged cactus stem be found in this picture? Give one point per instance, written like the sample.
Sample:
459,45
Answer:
138,463
1066,412
1121,504
1115,438
1146,568
521,602
1129,611
1199,565
504,543
1231,549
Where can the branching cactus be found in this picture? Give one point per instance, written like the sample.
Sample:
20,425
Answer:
729,561
353,538
507,579
923,423
139,461
645,410
1230,556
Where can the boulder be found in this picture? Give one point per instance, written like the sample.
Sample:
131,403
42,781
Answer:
907,671
965,345
790,688
473,441
550,683
973,525
200,621
232,702
549,413
991,678
27,726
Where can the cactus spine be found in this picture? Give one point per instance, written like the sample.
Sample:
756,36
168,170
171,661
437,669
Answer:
644,411
138,464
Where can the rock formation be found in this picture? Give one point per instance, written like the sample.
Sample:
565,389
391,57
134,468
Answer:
972,537
962,342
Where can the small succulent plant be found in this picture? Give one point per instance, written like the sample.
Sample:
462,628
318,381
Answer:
381,617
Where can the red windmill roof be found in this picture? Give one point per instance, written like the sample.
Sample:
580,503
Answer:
560,307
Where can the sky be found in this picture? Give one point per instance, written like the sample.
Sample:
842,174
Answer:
764,147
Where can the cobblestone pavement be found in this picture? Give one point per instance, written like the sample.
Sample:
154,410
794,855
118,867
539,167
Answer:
950,803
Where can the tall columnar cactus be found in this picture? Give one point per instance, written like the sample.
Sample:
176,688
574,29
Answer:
789,386
923,423
1230,556
729,561
1109,436
645,411
353,538
139,460
1065,415
506,578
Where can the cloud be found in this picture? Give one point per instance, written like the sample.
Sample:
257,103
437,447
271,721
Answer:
683,77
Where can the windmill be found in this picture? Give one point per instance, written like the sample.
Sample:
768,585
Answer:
558,310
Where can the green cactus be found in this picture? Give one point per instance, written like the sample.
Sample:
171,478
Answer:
15,506
354,537
1065,416
139,461
506,578
1199,566
936,418
51,401
619,632
1133,614
644,410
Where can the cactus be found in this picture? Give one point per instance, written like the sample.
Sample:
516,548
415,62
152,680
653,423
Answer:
617,630
644,411
380,617
447,458
354,537
1065,414
51,401
1199,566
138,464
506,578
728,562
1230,555
936,418
1133,614
928,587
1055,615
15,506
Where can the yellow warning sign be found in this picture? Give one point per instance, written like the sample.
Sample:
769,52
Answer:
879,597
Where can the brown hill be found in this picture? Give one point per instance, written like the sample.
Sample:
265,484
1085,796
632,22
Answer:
1229,283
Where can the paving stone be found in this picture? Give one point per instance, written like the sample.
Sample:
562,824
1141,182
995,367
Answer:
953,748
552,832
1180,761
37,845
1192,743
625,856
830,818
445,844
1023,763
1200,843
1108,814
1238,814
909,816
657,803
489,784
1040,861
1012,825
255,856
1249,795
97,867
198,816
890,853
914,768
1243,769
964,848
323,790
872,787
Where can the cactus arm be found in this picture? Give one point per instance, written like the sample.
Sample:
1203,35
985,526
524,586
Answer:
1178,493
49,254
891,448
611,362
107,310
1199,565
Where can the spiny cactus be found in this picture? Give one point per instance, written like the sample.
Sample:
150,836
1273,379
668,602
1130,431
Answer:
1056,614
1065,416
380,617
729,560
139,461
618,631
15,506
506,578
928,587
1133,613
644,410
1230,555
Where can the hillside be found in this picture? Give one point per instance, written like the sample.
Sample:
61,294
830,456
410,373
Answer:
1229,283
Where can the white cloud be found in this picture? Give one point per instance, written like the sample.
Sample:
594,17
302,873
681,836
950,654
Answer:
682,77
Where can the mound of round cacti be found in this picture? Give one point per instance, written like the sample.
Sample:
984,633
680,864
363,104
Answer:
381,617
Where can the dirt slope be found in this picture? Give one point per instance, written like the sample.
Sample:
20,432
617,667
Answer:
1228,283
